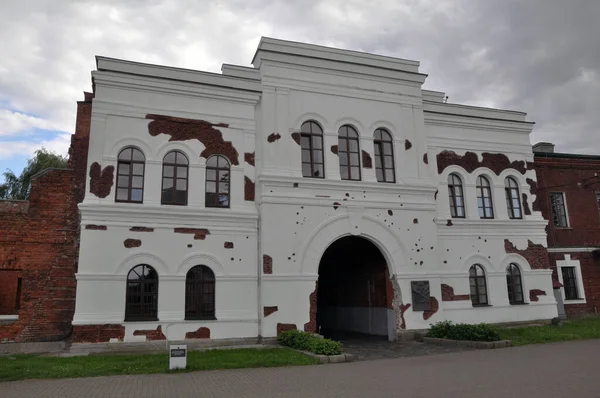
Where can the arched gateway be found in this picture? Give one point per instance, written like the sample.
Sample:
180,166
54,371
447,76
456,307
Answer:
353,255
355,293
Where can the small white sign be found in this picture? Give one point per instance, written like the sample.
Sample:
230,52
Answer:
177,356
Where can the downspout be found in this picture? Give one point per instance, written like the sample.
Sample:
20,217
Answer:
258,273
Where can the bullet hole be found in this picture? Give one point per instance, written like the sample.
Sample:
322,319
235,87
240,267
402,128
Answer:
479,237
347,194
391,213
385,220
232,258
418,250
415,221
246,237
293,254
415,263
289,258
271,191
336,205
449,223
408,229
295,185
445,262
297,213
401,204
345,199
489,257
189,245
302,207
431,247
416,244
297,222
485,240
392,223
421,263
240,259
356,226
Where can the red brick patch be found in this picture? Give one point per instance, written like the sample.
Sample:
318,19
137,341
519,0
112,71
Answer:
151,334
497,162
403,309
131,243
199,233
249,158
448,294
249,189
273,137
201,333
433,308
97,333
267,264
182,129
407,145
284,327
311,325
296,138
535,254
141,229
366,159
425,159
269,310
228,245
101,180
96,227
334,149
535,293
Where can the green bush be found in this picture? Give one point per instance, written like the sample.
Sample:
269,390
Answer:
309,342
461,331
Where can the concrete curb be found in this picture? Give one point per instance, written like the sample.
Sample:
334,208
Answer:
340,358
466,343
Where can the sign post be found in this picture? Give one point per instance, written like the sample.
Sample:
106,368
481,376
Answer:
177,357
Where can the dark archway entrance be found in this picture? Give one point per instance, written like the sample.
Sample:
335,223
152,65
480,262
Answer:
355,294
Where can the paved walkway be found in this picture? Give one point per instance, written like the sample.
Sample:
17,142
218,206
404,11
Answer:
543,371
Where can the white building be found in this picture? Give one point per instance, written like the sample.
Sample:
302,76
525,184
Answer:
275,141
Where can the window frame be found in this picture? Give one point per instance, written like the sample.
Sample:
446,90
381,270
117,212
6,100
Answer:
194,299
508,191
217,169
488,212
452,196
379,153
130,162
144,314
567,263
480,282
347,153
311,135
174,178
512,280
566,214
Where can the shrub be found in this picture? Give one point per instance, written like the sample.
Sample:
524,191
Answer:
309,342
461,331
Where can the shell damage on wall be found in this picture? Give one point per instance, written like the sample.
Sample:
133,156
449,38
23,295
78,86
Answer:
273,137
497,162
182,129
199,233
366,159
101,180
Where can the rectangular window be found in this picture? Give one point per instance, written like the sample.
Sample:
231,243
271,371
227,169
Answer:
559,209
570,283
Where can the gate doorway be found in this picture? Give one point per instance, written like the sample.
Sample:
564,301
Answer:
355,293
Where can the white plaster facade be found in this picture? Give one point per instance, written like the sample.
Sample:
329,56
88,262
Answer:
293,219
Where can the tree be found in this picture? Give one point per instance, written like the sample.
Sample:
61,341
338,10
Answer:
17,188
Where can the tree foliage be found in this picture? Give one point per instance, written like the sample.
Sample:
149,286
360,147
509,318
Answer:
18,187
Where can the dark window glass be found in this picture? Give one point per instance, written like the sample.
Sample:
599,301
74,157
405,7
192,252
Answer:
559,211
570,283
218,171
349,153
200,293
479,295
513,202
174,179
514,284
141,299
455,194
130,176
384,156
311,142
484,198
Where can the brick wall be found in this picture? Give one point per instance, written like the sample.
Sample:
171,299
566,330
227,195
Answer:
39,240
577,179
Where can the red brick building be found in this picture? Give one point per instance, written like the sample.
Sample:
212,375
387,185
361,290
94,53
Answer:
568,194
39,243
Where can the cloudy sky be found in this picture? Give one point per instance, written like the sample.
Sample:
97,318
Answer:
538,56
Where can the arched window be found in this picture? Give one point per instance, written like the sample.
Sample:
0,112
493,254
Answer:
217,181
200,293
349,153
130,176
514,284
484,198
478,285
311,142
174,179
455,194
513,202
384,156
141,298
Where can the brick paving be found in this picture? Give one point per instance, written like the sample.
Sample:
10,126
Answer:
550,371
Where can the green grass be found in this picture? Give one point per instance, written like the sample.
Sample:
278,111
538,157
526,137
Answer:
19,367
585,328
